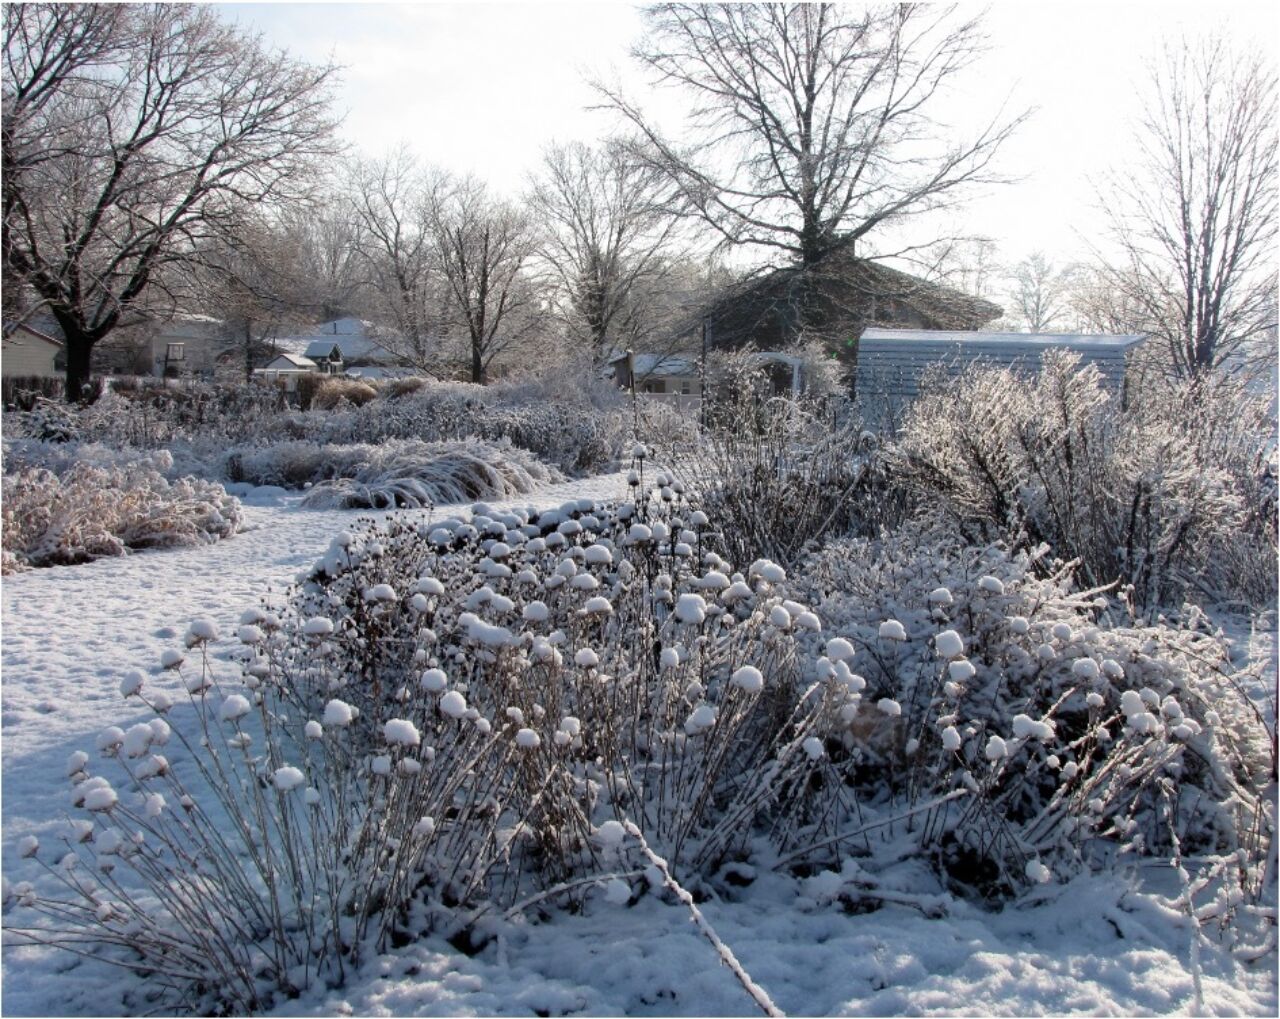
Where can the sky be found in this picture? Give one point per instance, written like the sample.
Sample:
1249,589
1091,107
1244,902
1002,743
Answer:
484,87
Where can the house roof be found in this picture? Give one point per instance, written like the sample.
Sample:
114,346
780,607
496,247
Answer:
1076,340
322,348
658,365
349,335
836,298
297,360
10,328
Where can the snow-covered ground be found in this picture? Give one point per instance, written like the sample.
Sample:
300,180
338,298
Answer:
1091,947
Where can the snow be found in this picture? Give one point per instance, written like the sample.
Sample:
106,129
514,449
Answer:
338,713
402,732
527,739
748,678
702,717
453,704
288,778
691,609
610,834
891,629
949,644
235,706
1085,946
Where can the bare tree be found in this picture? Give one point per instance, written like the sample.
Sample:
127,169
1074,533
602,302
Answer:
1195,217
484,247
129,132
392,199
969,264
249,278
1040,292
608,230
810,121
325,235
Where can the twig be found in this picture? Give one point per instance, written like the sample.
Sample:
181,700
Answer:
758,993
955,794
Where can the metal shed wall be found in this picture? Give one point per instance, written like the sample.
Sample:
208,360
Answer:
892,366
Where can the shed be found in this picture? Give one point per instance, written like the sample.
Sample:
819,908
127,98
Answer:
892,361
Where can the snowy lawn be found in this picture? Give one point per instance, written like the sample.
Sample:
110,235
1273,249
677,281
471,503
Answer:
1091,947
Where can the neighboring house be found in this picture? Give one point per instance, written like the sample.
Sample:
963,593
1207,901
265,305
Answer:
671,378
891,362
677,378
327,356
287,369
27,352
352,337
186,345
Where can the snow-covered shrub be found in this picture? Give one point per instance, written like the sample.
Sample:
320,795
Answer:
334,390
782,476
93,511
48,420
60,457
441,719
1073,739
1160,495
162,413
612,641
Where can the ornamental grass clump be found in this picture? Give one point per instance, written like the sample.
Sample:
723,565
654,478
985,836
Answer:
784,476
395,473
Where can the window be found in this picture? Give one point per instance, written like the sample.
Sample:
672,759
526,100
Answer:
175,352
686,387
654,386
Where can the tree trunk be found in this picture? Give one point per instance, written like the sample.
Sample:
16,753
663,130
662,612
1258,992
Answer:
79,347
477,365
248,352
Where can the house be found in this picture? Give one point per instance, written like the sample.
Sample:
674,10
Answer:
677,378
286,369
185,345
352,337
27,352
891,362
670,378
327,356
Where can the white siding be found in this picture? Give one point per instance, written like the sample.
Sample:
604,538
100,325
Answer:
24,355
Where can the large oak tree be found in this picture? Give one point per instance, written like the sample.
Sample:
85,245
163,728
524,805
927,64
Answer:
810,125
131,133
